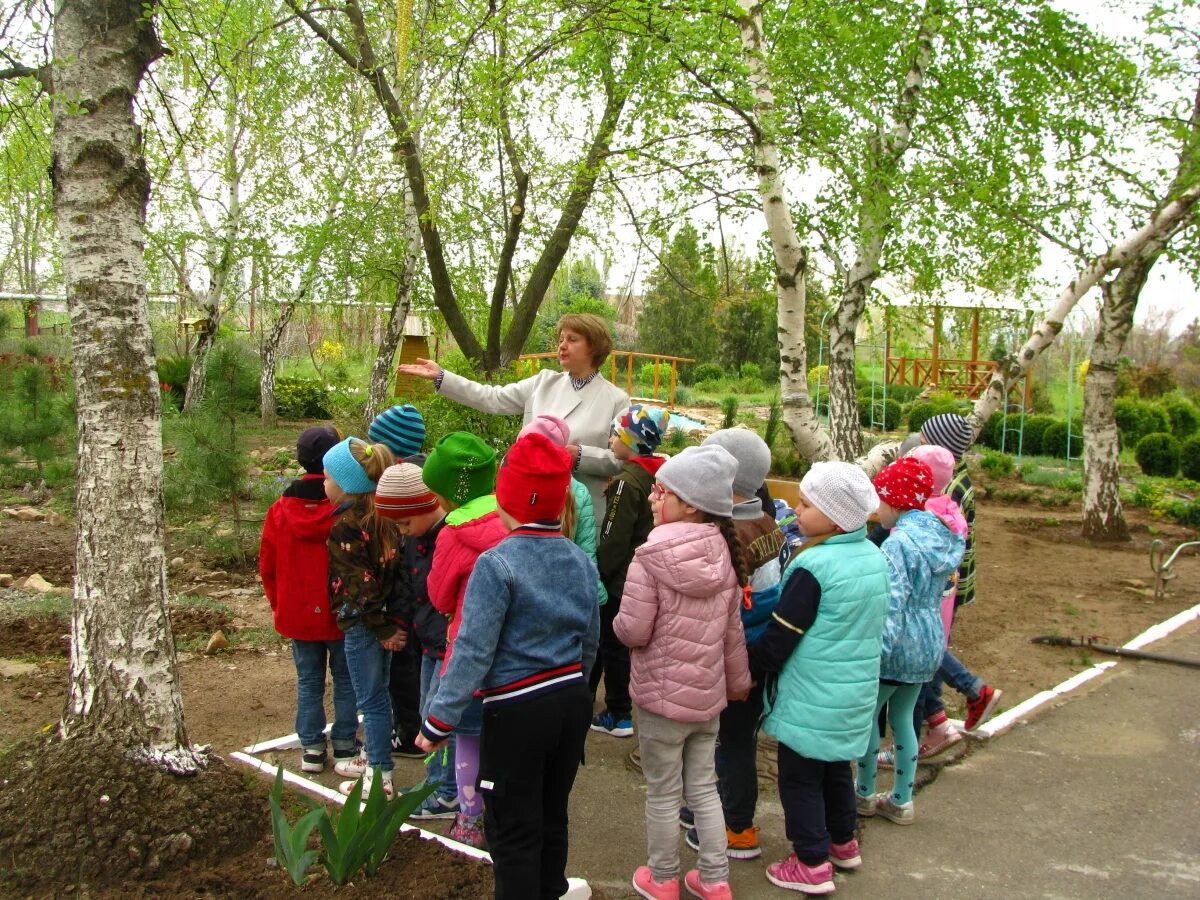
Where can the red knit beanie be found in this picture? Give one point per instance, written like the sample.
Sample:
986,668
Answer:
533,480
905,484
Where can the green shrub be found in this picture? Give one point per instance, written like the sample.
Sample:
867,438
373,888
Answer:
173,373
904,393
1185,419
752,371
443,415
879,410
1158,454
987,434
1031,441
645,373
1189,458
1185,512
1054,440
1137,418
997,465
301,398
774,422
705,372
729,409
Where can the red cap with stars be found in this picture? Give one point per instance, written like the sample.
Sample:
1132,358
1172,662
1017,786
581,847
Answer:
905,484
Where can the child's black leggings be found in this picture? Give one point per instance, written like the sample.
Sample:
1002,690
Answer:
529,754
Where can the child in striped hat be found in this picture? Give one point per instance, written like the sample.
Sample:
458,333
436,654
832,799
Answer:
405,499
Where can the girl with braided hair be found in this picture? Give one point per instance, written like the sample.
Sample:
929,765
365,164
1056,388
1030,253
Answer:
680,617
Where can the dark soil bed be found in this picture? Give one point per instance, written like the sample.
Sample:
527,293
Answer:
46,634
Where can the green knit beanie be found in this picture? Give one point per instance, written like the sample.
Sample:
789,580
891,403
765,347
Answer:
460,468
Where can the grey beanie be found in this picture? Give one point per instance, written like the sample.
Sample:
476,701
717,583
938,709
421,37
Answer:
752,454
702,477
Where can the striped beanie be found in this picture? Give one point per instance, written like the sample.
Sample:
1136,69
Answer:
641,427
402,494
401,428
950,431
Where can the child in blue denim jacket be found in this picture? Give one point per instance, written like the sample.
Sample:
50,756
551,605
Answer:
530,628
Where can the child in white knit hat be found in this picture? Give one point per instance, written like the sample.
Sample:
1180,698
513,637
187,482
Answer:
821,651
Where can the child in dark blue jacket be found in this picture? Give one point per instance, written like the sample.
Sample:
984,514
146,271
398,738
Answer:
530,628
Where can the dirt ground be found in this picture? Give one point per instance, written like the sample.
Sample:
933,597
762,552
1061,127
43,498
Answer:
1035,577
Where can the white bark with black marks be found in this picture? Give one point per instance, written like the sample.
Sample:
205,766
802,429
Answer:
791,257
123,675
1012,369
382,371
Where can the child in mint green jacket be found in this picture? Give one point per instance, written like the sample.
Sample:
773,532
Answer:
824,644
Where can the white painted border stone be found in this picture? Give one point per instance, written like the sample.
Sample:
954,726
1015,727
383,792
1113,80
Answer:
577,888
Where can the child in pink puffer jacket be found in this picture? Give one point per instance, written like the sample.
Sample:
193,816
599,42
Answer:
680,617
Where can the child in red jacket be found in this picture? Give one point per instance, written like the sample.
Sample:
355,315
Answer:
294,563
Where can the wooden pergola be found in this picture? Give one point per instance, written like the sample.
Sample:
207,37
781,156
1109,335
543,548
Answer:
535,362
966,378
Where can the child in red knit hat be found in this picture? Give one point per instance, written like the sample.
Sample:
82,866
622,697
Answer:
530,626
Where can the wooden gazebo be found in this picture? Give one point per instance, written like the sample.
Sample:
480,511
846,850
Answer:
966,378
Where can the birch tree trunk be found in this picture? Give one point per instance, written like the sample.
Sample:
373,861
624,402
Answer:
1013,368
1103,518
876,220
791,258
393,333
270,365
123,668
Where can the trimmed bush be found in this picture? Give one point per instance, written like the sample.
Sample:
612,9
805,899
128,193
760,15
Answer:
1185,419
888,411
703,372
921,412
301,398
1054,440
752,371
1137,418
1031,443
1189,458
1158,454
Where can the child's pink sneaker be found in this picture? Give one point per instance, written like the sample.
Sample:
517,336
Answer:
644,884
845,856
794,875
719,890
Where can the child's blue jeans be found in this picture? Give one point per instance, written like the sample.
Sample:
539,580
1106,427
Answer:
368,664
311,659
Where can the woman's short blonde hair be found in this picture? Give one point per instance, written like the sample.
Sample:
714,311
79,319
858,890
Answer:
593,329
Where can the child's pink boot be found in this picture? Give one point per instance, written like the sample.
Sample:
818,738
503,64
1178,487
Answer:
796,876
644,884
719,890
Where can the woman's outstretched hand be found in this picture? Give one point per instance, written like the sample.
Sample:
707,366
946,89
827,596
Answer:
422,368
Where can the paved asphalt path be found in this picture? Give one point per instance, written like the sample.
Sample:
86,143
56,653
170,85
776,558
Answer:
1096,797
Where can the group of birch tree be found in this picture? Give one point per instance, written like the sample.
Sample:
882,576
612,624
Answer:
454,153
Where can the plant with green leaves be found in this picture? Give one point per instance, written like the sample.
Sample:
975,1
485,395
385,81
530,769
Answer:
291,841
34,416
729,411
358,838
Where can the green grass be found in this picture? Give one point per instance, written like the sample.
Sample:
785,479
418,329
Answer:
262,637
199,601
39,606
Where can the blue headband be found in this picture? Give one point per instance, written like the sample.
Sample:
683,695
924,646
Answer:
343,468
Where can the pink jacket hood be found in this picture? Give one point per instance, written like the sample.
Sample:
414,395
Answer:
680,617
949,513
